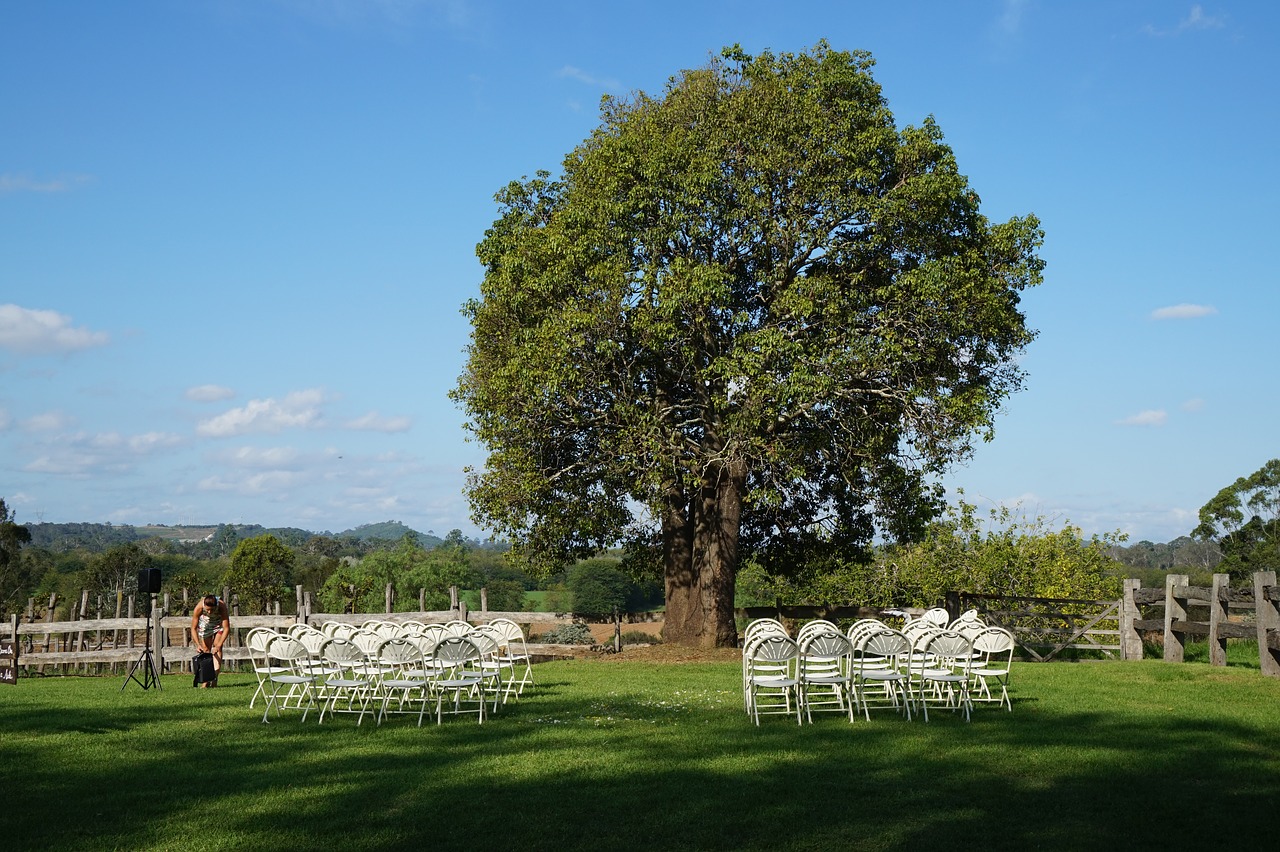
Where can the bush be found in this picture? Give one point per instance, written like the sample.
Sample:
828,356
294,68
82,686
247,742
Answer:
569,634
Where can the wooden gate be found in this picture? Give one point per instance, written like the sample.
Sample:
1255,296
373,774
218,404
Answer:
1045,627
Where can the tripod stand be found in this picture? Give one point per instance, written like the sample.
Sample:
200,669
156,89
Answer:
146,660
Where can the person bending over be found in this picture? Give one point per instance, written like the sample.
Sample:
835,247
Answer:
210,627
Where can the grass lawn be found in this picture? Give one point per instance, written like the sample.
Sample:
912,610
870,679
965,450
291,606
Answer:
608,755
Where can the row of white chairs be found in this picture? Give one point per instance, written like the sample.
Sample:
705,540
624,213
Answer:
365,670
875,665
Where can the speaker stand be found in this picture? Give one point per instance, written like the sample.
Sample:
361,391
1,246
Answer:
146,661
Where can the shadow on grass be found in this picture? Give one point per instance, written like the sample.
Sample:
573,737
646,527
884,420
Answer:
602,758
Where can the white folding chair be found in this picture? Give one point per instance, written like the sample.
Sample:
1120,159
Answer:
459,661
258,641
823,672
348,677
403,675
941,672
880,661
992,663
771,677
298,679
515,652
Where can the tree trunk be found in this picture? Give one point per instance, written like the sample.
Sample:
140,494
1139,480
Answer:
700,557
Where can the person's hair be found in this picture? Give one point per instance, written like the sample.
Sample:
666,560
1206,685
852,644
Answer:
211,595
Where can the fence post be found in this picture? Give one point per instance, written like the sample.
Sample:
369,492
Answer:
1268,617
952,604
1218,617
390,596
157,635
484,599
1175,612
1130,640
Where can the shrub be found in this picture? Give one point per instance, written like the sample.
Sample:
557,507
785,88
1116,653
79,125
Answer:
569,634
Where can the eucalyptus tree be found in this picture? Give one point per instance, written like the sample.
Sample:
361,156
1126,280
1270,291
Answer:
1244,520
751,315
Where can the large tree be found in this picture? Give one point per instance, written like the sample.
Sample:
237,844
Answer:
752,315
15,573
1244,520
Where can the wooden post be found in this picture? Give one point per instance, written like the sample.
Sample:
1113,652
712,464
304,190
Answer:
157,635
1175,610
453,598
128,613
1268,616
83,614
952,605
298,605
462,610
422,600
1217,618
391,597
1130,639
617,631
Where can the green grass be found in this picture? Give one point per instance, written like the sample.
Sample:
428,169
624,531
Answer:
619,756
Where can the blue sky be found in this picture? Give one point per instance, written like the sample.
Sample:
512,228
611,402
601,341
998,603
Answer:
235,236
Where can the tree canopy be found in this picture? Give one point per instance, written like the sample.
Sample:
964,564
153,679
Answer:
751,316
1244,519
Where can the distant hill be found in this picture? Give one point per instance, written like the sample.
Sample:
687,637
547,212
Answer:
391,531
97,538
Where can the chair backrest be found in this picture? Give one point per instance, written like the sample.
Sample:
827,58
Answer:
947,648
433,633
508,629
762,626
313,640
861,627
289,649
825,645
368,641
343,652
454,651
457,628
937,616
259,640
817,625
993,641
773,648
884,644
398,651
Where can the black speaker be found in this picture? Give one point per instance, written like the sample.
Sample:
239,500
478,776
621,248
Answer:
149,581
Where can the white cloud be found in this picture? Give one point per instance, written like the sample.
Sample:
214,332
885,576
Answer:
1010,20
298,410
209,393
1196,19
83,454
1195,404
26,183
34,332
609,84
1153,417
49,421
374,422
1183,311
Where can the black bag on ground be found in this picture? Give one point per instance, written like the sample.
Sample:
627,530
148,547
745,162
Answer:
202,665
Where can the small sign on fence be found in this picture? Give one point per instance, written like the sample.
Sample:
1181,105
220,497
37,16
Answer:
9,661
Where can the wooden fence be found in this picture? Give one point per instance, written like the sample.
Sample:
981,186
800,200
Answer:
1176,625
111,645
